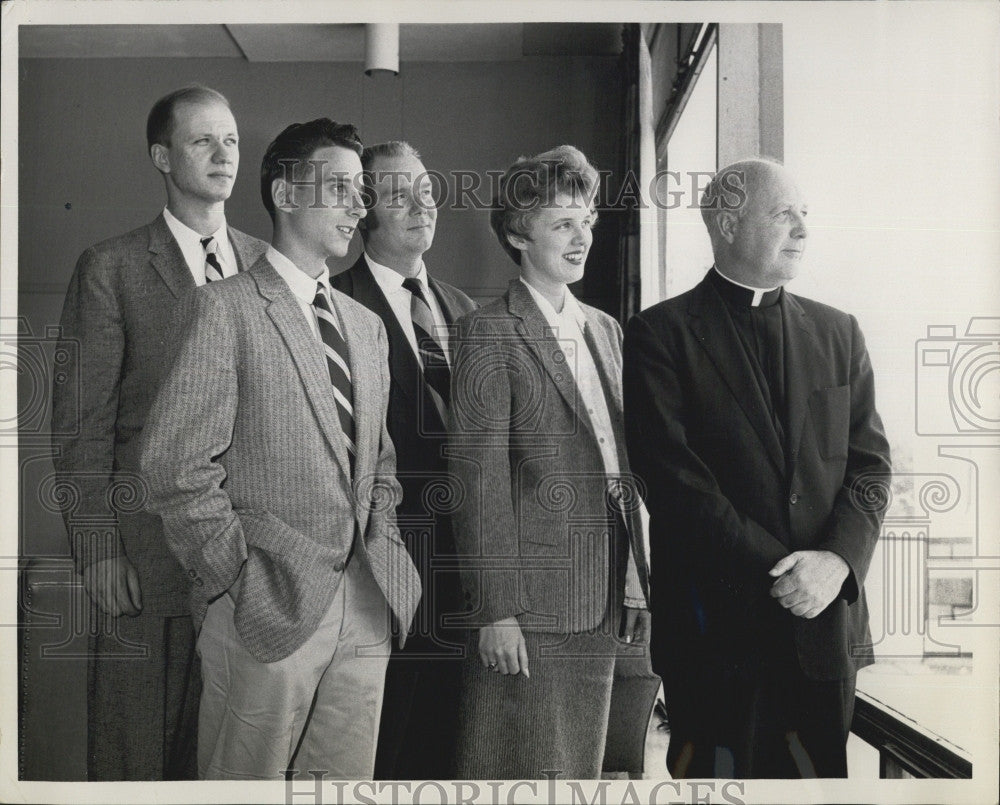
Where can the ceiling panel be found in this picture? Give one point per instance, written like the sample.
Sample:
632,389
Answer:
306,42
126,41
483,42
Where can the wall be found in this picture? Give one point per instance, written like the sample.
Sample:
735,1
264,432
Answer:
85,174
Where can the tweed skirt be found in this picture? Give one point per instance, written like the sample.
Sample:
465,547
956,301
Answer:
551,724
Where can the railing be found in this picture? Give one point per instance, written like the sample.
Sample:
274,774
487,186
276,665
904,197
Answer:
906,749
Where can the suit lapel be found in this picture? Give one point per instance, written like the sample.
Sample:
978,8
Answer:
403,366
306,353
603,354
452,312
535,330
717,334
168,260
806,368
245,248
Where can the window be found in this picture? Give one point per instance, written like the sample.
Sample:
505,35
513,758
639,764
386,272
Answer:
879,139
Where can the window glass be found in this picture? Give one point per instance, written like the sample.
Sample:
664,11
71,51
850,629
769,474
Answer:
889,147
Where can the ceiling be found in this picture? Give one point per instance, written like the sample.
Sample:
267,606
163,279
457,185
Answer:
320,42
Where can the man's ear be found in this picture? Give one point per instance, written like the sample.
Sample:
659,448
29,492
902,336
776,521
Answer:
728,224
160,156
280,196
368,223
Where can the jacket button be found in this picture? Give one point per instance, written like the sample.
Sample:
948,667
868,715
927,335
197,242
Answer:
339,567
794,498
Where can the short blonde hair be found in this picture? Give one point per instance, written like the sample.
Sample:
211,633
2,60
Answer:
534,181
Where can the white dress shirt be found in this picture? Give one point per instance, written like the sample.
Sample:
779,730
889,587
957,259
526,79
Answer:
391,283
194,252
567,327
303,287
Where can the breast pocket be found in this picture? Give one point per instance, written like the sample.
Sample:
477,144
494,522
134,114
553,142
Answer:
830,409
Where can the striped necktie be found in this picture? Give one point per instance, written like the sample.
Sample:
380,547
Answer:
432,355
335,349
213,268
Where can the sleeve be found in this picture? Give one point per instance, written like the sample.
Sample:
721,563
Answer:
680,487
85,407
633,587
856,518
485,526
635,597
403,576
189,426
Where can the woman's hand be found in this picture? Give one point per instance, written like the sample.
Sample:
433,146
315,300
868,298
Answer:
502,647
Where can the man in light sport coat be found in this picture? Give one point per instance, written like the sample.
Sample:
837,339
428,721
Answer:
141,711
269,460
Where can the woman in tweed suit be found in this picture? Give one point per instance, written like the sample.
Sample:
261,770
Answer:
549,527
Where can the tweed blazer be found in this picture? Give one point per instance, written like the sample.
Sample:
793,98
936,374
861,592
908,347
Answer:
246,462
728,498
119,338
534,533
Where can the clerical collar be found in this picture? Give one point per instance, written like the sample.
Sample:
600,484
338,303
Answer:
736,293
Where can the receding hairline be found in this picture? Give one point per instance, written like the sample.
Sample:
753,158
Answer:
756,172
195,103
390,149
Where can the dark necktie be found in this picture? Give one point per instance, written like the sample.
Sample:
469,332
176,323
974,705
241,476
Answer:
337,363
213,268
432,355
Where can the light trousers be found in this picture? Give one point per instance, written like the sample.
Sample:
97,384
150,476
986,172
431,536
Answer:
315,710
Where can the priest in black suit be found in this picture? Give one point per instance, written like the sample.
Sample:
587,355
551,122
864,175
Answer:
750,415
420,707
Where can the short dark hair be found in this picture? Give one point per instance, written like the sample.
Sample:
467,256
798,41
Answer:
532,182
160,123
387,150
297,143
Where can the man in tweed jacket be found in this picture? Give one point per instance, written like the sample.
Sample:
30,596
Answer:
269,461
142,711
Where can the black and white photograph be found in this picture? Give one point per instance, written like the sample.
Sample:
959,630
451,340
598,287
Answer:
456,402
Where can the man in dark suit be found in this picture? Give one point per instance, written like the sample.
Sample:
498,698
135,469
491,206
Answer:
269,461
420,708
119,309
750,415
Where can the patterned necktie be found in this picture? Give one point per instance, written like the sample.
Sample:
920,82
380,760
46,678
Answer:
213,268
337,363
432,355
